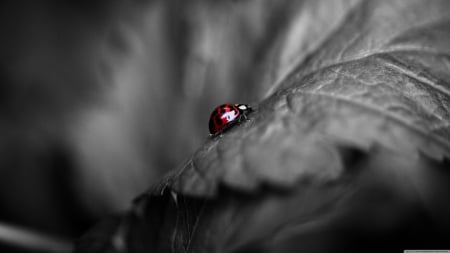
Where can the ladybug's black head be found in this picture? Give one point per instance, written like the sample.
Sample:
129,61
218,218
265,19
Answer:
243,107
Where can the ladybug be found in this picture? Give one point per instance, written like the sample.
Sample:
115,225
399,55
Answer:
226,116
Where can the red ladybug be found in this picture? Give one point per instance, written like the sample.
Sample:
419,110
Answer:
226,116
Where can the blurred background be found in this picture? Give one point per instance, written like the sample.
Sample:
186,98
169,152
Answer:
99,99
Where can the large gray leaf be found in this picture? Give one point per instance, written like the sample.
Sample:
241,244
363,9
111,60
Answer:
387,85
349,153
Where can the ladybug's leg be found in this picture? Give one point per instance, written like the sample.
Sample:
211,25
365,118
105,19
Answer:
244,115
218,134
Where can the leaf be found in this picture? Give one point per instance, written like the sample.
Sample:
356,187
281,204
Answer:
397,96
349,154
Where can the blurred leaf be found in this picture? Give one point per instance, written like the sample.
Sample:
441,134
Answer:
350,153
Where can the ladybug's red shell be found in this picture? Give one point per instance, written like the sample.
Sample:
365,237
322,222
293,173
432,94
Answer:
222,117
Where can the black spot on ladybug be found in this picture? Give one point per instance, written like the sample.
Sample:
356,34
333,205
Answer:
218,120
